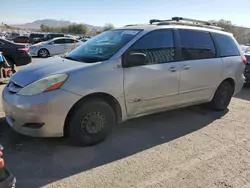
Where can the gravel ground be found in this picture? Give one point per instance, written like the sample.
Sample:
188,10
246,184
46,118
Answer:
189,147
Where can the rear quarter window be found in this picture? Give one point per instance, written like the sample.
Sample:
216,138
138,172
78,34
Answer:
227,45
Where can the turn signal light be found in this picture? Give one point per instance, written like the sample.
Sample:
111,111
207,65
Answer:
24,50
1,163
244,59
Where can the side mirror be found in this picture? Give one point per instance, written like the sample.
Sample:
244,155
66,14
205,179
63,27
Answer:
52,43
134,59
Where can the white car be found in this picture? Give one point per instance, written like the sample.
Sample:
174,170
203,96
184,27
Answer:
55,46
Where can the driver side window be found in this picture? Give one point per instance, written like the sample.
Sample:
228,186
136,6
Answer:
158,46
59,41
70,41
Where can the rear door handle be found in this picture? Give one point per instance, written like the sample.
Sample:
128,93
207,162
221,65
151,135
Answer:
172,69
186,67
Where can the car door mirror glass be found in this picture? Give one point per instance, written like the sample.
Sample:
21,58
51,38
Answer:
134,59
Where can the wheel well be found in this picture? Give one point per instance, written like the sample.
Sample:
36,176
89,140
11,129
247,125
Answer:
231,81
105,97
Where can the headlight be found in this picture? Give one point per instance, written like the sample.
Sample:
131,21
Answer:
48,83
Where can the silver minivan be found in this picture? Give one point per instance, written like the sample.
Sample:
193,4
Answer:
122,74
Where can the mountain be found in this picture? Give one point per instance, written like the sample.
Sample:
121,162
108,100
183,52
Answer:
52,23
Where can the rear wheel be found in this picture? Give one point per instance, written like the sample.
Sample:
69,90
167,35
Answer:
43,53
222,96
91,122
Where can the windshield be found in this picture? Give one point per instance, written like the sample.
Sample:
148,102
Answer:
103,46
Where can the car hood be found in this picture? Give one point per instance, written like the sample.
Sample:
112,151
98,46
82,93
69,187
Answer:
43,68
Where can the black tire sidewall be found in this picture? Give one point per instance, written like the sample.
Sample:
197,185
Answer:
97,105
216,105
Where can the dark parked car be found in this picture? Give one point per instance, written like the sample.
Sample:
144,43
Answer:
46,37
11,36
36,37
21,39
52,35
247,70
16,54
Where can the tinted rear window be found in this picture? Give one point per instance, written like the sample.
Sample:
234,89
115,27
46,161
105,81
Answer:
196,44
36,35
226,45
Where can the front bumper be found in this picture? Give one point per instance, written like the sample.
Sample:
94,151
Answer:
23,60
48,109
33,51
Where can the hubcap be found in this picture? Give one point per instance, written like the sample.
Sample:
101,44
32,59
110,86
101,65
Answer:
93,123
43,53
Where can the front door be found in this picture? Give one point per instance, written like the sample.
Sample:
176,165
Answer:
201,68
58,47
70,45
154,85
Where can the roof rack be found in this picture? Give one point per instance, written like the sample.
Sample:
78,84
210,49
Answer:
186,21
130,25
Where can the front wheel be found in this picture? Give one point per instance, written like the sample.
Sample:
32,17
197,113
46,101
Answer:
91,122
222,97
43,53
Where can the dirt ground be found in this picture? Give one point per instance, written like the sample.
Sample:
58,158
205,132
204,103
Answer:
186,148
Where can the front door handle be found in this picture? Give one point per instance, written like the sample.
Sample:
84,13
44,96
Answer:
172,69
186,67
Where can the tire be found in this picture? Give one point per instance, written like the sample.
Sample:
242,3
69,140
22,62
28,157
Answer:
91,122
43,53
222,97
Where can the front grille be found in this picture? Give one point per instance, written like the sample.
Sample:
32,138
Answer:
14,87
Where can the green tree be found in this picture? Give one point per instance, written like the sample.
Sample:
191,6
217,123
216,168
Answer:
98,32
74,29
42,27
108,26
225,24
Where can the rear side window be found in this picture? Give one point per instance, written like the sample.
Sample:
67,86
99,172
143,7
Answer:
69,41
59,41
196,45
157,45
226,45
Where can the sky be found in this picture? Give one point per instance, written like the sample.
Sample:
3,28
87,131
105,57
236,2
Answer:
99,12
